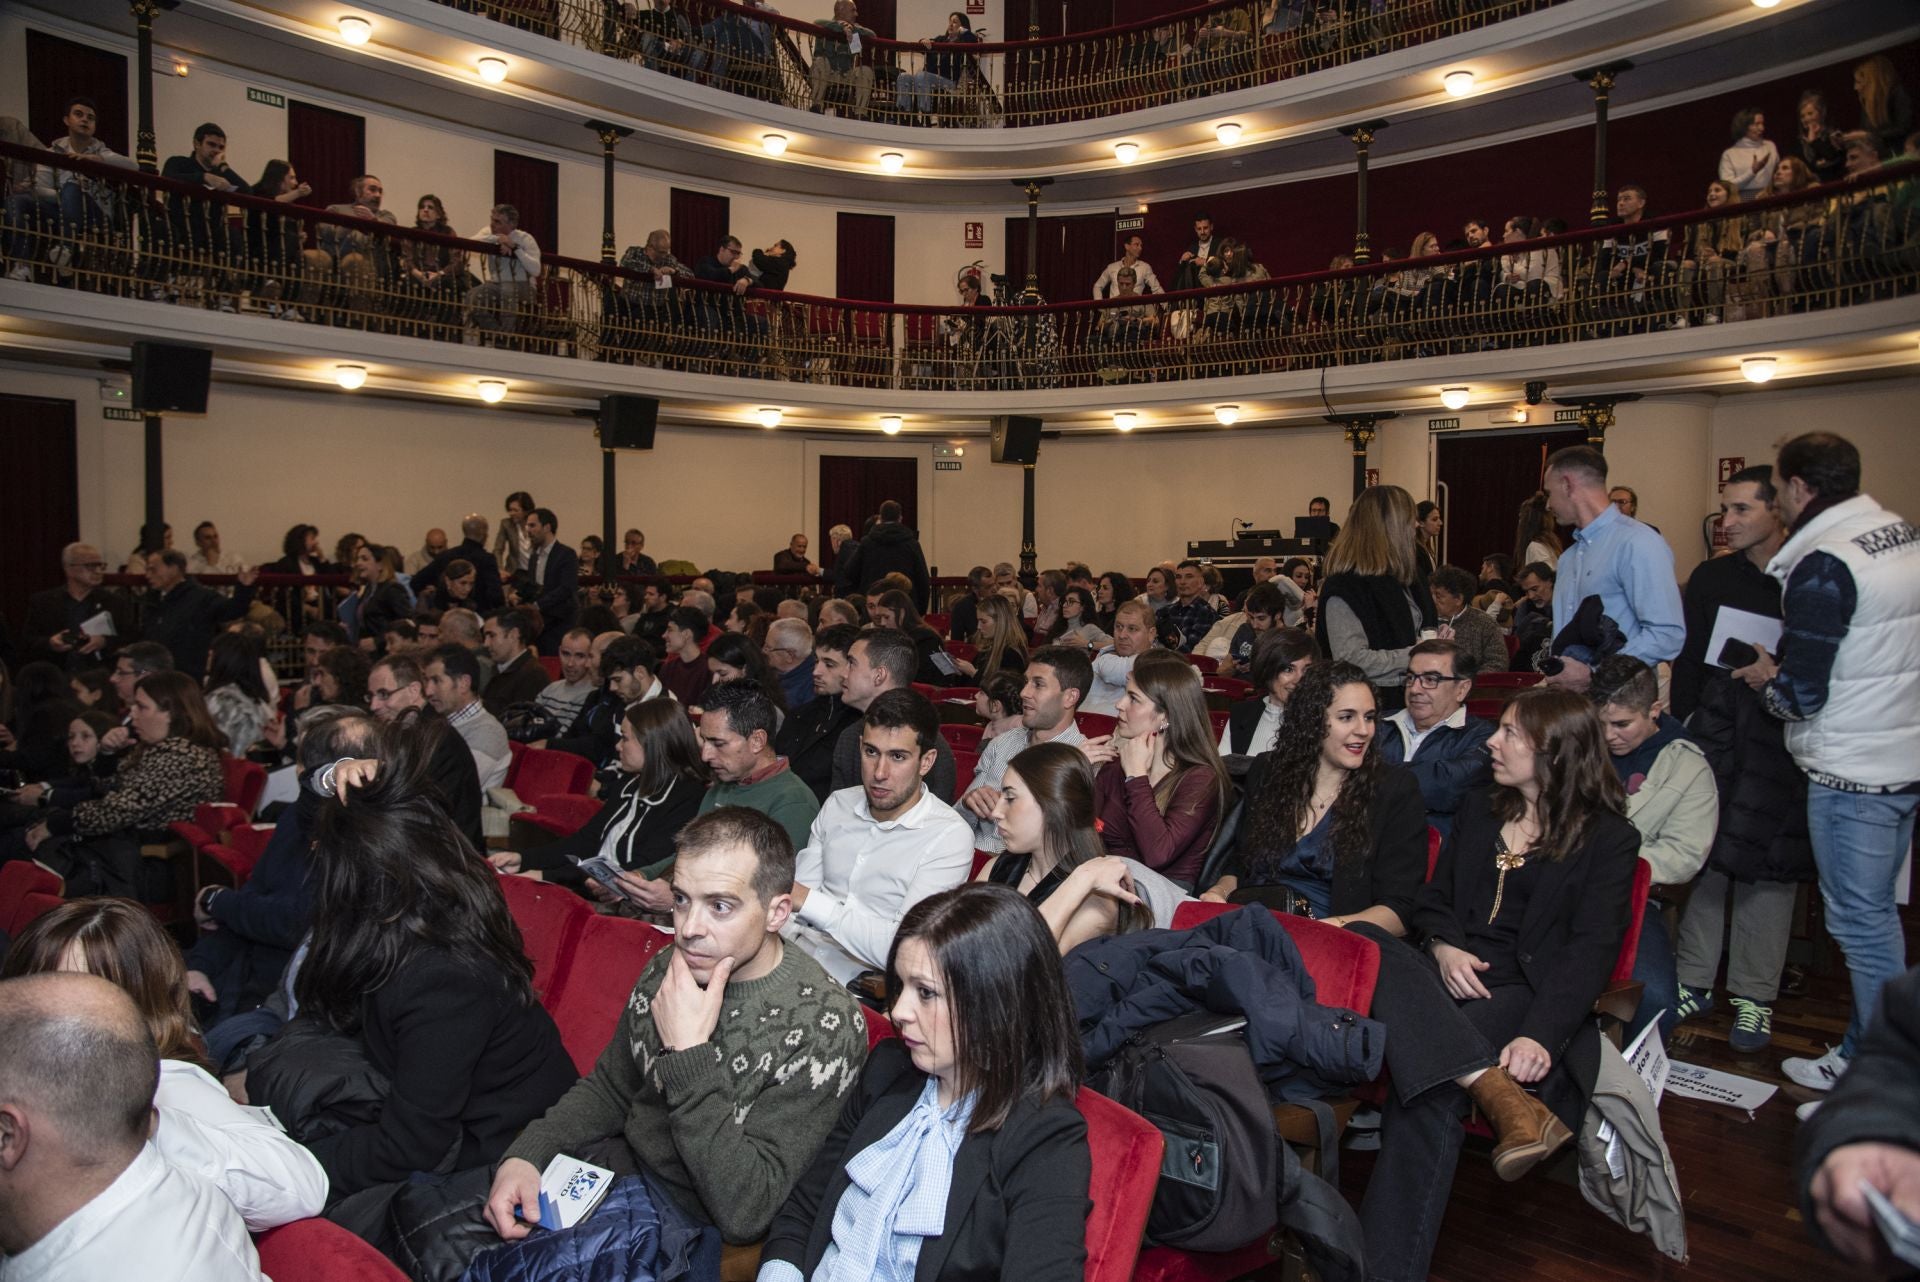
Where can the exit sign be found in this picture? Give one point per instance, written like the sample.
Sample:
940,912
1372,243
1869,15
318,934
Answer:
266,98
1566,416
1133,223
115,413
946,465
1443,425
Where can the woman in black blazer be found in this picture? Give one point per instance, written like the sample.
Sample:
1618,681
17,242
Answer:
969,1111
1517,934
1328,830
1280,659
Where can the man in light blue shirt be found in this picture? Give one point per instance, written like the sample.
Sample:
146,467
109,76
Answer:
1626,564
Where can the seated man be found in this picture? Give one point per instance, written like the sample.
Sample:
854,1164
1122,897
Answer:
685,670
518,676
627,674
789,652
450,673
728,1143
82,1192
810,735
464,629
736,742
505,292
1433,735
836,58
1057,679
1533,614
397,692
1231,641
963,623
884,659
1189,612
361,258
76,204
1472,630
563,699
1674,802
880,848
1133,627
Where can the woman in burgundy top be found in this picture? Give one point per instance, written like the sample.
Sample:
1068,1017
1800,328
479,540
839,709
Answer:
1161,795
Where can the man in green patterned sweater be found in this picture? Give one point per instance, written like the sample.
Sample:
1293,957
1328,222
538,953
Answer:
728,1066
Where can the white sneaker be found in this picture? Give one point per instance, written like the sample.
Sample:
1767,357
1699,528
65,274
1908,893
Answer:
21,271
292,314
1679,322
1816,1074
61,256
1808,1109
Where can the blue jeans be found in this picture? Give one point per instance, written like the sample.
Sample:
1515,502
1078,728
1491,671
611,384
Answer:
1860,841
1654,969
32,214
921,83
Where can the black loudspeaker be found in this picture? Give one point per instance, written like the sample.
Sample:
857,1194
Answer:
1016,439
171,378
627,422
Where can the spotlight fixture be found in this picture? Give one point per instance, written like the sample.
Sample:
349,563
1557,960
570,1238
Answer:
1455,398
1758,369
774,144
355,31
892,161
180,67
1227,415
493,70
1124,420
492,390
959,451
1126,152
350,377
890,424
1459,83
769,415
1228,133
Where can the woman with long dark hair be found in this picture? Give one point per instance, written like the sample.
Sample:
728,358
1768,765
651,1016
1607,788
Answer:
659,794
981,1079
1374,606
414,954
1078,627
277,243
436,273
237,698
734,657
1111,591
269,1179
1508,947
1328,830
1535,535
1280,660
1162,795
377,598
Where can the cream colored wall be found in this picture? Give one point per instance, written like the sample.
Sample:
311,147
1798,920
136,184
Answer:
1882,418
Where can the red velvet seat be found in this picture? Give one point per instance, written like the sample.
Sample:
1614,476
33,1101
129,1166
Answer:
938,622
1217,718
20,878
1201,662
1486,709
1232,687
516,752
925,691
546,771
321,1251
561,814
964,763
551,919
246,780
959,736
1507,680
606,961
220,818
981,858
1095,725
33,905
551,662
962,650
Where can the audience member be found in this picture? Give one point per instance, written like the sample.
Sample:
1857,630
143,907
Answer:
685,670
734,656
1056,680
79,623
629,673
563,699
890,547
792,559
1078,612
78,204
507,275
208,558
238,701
1132,637
472,549
1130,260
1472,629
1434,737
360,259
1373,607
132,663
1189,611
1533,616
340,677
200,227
518,676
1536,536
182,615
963,618
1281,658
554,570
1749,163
736,743
809,737
878,661
449,674
940,72
837,59
513,545
377,598
1820,145
1001,642
1162,795
788,651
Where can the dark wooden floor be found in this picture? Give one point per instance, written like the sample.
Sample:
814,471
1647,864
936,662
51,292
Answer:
1743,1217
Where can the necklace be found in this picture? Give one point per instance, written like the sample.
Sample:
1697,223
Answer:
1506,861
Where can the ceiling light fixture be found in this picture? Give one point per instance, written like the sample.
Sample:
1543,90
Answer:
1227,415
890,424
1459,83
355,31
769,415
892,161
1228,133
351,377
1126,152
492,390
1759,369
774,144
1125,419
1455,398
493,70
1765,4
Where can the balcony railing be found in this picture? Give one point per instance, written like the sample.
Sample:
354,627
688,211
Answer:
1829,247
1208,49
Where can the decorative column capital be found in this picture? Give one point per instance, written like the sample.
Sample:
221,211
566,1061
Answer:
1362,135
609,134
1601,79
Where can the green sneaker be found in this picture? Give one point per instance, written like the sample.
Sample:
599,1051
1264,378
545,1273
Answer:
1693,1002
1752,1027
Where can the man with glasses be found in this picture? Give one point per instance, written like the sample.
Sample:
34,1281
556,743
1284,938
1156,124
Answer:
397,693
1433,735
64,626
789,652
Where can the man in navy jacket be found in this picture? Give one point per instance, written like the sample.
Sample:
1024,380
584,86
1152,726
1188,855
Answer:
1433,735
555,571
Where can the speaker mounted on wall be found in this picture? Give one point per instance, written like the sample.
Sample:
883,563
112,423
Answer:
1016,439
170,378
627,422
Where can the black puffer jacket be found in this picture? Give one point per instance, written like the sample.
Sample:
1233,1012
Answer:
1763,795
890,547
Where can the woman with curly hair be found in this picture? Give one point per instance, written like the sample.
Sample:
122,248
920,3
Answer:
1328,830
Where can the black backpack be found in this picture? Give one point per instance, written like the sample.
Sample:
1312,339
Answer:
1226,1174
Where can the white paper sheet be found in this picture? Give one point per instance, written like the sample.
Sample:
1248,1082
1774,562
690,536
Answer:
1742,625
100,625
282,785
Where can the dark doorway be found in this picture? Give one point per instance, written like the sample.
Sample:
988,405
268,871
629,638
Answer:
1485,477
42,513
61,69
328,150
853,488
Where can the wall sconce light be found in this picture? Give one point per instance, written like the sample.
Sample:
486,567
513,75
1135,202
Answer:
493,70
355,31
1126,152
1227,415
350,377
1455,398
769,415
890,424
1124,420
774,144
1759,369
492,390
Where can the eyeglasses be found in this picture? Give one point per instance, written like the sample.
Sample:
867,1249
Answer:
1430,680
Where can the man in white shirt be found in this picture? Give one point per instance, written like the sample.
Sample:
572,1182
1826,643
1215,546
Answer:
564,698
207,557
450,673
1133,625
877,850
83,1195
1058,678
507,275
1143,276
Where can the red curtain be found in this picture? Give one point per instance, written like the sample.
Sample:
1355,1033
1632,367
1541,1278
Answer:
1489,475
852,489
1073,253
328,150
42,512
880,17
533,188
697,221
864,253
61,69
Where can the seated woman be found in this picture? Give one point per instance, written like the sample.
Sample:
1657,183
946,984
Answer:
238,702
1161,797
1508,947
269,1179
659,794
1054,857
732,657
959,1154
895,609
414,956
174,767
1077,622
1279,661
1328,830
1001,641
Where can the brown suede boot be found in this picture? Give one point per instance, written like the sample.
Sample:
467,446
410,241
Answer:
1526,1129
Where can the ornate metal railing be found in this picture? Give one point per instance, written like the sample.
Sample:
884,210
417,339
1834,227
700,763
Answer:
1208,49
1832,246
